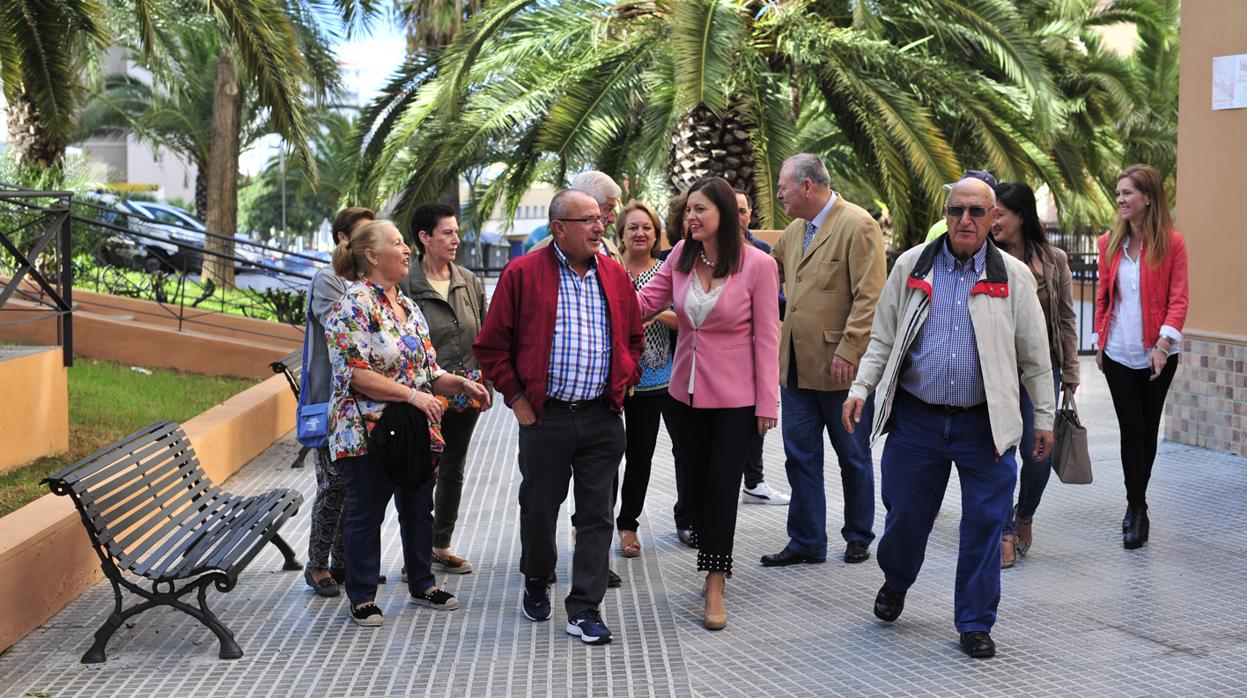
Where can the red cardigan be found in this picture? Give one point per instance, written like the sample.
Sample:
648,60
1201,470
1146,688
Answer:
1162,290
513,346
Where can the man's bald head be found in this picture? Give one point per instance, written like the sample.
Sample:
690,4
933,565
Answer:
975,185
970,213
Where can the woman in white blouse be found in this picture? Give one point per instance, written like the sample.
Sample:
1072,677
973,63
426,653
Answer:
1139,313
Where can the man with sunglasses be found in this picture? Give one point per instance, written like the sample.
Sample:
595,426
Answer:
562,343
957,324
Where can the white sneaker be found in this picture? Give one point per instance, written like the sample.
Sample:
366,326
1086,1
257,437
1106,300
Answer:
763,494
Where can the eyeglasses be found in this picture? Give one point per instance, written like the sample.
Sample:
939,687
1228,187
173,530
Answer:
587,219
958,211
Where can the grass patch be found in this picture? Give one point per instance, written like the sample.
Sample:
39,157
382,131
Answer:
108,401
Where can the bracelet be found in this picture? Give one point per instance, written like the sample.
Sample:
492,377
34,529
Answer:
411,399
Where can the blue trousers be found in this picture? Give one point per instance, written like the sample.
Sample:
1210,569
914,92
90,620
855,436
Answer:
1033,475
368,492
922,446
807,413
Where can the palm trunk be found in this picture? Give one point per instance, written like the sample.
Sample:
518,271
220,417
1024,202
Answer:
222,216
201,190
704,144
29,137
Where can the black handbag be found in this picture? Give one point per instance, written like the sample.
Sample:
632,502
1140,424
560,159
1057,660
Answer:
1071,459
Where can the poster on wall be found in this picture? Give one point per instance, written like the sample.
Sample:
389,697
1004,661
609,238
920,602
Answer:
1229,82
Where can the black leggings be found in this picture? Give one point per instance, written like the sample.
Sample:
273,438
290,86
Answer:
1139,403
641,415
714,443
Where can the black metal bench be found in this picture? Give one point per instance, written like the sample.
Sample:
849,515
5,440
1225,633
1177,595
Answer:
151,512
291,365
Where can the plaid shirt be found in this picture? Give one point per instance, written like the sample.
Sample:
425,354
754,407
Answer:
580,355
942,367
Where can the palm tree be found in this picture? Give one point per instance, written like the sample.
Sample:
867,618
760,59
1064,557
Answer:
46,45
688,87
311,200
1150,132
44,49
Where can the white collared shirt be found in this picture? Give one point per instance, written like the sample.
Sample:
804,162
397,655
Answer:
822,215
1125,330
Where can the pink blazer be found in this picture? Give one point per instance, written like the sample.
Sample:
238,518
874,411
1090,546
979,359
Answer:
737,347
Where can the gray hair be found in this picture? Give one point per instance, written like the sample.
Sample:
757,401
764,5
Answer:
806,166
559,204
597,184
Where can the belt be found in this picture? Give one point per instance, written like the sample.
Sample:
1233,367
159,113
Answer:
574,405
946,409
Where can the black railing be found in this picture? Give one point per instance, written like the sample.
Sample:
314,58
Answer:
37,264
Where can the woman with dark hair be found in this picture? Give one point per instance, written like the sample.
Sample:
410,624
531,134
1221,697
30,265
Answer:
452,300
381,356
639,229
1140,308
725,375
1019,232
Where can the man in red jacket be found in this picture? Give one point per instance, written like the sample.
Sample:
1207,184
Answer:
561,343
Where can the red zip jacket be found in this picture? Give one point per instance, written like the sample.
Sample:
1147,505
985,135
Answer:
1162,290
514,344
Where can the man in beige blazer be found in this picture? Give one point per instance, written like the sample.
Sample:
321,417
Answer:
832,263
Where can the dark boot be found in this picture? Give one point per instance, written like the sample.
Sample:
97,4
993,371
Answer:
1138,528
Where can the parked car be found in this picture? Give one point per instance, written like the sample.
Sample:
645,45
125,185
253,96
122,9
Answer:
173,224
120,248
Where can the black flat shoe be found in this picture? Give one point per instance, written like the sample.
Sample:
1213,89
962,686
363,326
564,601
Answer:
326,587
787,557
1136,535
856,551
613,581
978,645
889,603
687,537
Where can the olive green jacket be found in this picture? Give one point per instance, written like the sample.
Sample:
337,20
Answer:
454,321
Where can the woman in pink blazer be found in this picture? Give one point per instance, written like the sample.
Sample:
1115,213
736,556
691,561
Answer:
1140,308
725,375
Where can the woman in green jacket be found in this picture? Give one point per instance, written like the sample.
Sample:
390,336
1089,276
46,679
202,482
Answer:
453,301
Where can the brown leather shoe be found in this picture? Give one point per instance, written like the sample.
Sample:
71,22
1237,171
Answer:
1024,537
1008,550
452,564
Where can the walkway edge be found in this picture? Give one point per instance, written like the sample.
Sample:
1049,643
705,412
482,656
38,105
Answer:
46,560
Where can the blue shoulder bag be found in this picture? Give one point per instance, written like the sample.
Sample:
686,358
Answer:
311,421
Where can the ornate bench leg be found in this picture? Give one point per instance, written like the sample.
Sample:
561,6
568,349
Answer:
298,461
95,655
229,646
292,563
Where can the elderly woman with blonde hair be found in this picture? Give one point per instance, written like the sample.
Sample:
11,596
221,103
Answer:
382,360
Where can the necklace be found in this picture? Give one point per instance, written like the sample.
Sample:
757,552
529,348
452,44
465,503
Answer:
704,260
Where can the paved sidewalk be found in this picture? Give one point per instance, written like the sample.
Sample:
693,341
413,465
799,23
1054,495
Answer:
1080,616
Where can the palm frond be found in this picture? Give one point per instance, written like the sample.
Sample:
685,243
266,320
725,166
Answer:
704,38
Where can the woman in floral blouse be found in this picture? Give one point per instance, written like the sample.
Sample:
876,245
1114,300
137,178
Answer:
380,352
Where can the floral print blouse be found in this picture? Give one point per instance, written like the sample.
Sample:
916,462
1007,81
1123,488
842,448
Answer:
363,332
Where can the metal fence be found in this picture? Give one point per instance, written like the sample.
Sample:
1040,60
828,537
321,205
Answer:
37,261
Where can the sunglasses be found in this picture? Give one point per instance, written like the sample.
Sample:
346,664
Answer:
958,211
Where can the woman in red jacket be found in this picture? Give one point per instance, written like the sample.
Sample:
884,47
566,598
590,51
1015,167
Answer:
1139,312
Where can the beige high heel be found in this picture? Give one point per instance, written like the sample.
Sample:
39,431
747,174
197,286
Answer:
714,619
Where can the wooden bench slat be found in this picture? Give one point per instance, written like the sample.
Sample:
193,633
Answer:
89,476
72,473
172,496
179,532
140,481
191,532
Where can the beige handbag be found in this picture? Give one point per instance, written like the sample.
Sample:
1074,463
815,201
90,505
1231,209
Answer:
1070,457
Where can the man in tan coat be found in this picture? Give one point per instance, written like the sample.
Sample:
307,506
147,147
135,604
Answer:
833,267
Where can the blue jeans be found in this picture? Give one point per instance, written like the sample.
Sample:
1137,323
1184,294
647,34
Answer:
807,413
368,491
922,446
1033,477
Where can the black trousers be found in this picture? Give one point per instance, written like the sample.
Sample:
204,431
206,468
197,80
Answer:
715,443
1139,403
753,461
585,447
642,411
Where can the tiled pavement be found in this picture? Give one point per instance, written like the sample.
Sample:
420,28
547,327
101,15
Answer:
1080,616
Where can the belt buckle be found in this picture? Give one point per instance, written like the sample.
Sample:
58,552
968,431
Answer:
576,405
